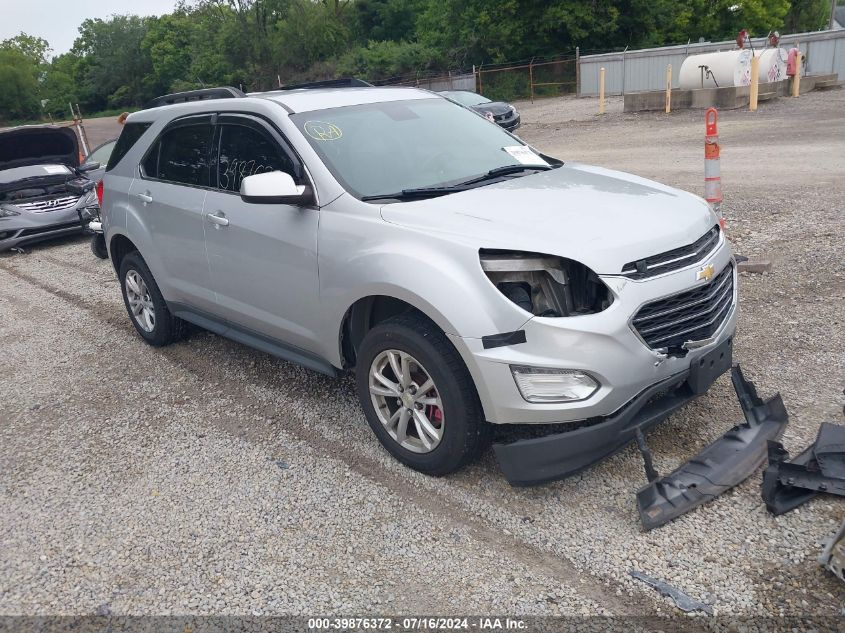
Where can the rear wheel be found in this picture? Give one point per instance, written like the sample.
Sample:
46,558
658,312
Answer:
418,396
145,304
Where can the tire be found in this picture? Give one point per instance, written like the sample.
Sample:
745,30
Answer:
98,246
464,431
165,328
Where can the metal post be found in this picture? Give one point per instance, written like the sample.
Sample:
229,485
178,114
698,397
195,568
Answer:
531,77
832,15
668,88
623,70
480,87
601,91
796,80
754,92
577,71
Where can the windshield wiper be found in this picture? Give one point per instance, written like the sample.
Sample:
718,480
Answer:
430,192
504,171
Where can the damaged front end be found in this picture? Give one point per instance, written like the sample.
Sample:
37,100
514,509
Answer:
44,193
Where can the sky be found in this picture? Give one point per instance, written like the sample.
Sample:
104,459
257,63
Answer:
57,21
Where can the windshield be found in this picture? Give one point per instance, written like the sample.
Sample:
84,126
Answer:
101,154
464,97
381,148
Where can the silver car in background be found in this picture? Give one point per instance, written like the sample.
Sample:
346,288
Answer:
470,282
44,192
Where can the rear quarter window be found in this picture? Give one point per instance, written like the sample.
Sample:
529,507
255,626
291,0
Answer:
128,137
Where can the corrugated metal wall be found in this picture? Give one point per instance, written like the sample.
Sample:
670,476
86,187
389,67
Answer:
635,71
455,82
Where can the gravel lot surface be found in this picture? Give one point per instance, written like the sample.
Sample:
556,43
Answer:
210,478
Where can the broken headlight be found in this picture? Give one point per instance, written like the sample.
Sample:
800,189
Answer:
90,199
546,285
7,211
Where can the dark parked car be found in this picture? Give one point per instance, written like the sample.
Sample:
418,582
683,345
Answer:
44,192
497,111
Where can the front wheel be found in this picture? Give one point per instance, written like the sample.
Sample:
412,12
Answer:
418,396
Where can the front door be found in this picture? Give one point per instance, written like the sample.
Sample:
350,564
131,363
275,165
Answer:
263,257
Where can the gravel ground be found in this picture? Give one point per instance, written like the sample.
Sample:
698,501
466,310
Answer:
210,478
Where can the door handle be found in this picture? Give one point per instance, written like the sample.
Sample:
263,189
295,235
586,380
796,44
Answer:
145,198
218,220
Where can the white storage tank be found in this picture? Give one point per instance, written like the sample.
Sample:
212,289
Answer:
727,68
731,68
772,65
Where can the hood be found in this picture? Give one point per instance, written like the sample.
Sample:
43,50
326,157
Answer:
601,218
38,145
494,107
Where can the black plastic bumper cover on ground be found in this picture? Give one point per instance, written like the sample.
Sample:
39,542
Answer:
819,468
539,460
722,465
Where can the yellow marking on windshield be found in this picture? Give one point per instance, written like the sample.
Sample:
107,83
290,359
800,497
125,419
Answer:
321,131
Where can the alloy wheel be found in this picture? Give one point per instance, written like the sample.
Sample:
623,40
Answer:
140,302
406,401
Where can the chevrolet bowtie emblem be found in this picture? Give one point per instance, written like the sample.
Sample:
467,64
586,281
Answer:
706,273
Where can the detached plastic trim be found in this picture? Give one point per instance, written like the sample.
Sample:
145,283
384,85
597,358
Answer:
722,465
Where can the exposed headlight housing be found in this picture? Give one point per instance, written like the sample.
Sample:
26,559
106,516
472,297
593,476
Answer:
90,199
541,385
545,285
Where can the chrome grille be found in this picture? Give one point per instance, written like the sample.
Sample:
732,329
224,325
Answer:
692,315
53,204
675,259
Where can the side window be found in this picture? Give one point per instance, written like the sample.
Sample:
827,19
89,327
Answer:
181,155
128,137
244,151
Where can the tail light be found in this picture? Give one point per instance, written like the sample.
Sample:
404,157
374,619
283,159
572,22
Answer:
100,193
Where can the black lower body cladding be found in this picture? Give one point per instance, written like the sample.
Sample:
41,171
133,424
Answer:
543,459
722,465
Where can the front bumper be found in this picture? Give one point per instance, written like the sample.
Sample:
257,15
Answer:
538,460
510,124
36,227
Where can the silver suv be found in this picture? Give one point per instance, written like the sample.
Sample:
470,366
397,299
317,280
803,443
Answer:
469,281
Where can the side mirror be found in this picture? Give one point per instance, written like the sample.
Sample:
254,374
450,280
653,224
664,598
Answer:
274,187
86,167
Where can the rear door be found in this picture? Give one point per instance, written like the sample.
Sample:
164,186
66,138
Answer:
264,258
171,192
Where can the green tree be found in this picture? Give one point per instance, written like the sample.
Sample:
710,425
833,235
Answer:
114,69
807,15
19,97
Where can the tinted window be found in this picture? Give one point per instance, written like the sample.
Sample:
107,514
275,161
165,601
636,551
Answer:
181,155
245,151
128,137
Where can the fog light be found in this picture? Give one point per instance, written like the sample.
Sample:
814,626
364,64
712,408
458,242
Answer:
537,384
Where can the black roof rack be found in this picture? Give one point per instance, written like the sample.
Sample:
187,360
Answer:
346,82
223,92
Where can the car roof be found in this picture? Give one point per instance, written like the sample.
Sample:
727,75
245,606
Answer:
309,99
294,101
